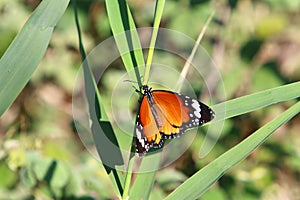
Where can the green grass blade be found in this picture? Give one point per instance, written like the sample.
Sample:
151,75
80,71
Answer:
160,4
143,183
140,190
25,52
249,103
256,101
104,137
127,40
203,179
126,36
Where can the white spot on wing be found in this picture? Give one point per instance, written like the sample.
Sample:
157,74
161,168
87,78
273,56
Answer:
142,142
197,108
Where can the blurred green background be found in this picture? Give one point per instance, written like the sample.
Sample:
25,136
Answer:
255,45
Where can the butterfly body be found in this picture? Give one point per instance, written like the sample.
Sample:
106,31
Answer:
164,115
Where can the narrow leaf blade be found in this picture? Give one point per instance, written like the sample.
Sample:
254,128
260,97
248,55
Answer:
203,179
25,52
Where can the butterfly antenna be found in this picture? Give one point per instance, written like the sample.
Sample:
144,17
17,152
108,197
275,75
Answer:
135,88
133,82
130,81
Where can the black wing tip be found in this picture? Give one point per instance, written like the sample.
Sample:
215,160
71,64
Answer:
207,113
213,114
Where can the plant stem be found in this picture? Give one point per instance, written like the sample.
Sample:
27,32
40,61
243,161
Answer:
157,18
128,178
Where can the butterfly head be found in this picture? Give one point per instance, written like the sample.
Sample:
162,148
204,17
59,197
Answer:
146,89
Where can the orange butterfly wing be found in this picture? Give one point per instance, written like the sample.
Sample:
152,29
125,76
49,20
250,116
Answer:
147,119
170,106
147,132
165,114
181,112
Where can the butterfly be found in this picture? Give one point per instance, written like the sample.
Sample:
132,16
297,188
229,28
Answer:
164,115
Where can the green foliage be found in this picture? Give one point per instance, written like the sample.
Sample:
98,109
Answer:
199,182
255,46
17,64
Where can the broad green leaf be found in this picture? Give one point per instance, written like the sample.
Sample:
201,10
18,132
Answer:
27,49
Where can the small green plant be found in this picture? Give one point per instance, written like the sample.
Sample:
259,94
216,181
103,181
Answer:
53,177
121,21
